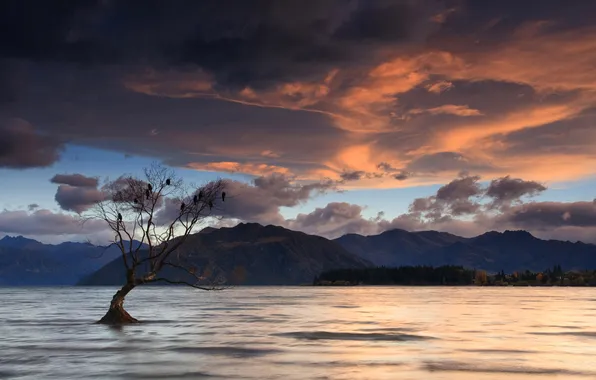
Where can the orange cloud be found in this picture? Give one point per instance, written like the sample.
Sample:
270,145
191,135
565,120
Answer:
548,61
237,167
467,135
448,109
368,105
439,87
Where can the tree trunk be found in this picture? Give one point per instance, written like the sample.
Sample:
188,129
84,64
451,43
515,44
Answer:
116,314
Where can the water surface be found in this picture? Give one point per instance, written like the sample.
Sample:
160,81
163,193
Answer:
301,333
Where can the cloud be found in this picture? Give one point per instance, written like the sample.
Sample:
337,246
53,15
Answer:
465,206
75,180
457,198
447,162
439,87
46,222
313,92
334,220
77,199
460,207
549,215
401,176
352,176
237,167
77,192
254,45
448,109
261,199
506,190
21,147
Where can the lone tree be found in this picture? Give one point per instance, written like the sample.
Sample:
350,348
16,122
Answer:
151,219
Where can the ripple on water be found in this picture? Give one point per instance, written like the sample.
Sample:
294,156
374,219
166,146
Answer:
236,352
581,334
171,375
454,366
328,335
300,333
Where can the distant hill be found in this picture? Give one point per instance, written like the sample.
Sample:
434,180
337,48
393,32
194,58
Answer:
267,255
27,262
492,251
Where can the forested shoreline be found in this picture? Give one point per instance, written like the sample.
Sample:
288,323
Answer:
450,275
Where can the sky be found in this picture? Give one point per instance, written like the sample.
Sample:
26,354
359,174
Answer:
328,117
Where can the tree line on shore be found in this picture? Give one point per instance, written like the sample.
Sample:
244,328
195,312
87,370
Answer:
451,275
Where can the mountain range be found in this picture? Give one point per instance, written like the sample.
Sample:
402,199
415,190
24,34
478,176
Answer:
272,255
492,251
28,262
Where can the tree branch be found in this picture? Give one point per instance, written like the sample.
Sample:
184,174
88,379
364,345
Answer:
137,208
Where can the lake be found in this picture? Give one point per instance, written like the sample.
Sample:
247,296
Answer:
301,333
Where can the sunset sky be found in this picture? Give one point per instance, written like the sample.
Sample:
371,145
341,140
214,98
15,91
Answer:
328,116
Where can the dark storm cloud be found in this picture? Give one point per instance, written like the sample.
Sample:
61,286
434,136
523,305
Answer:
240,42
77,180
165,78
21,147
492,20
181,130
36,30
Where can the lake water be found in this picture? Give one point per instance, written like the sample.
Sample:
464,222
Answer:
301,333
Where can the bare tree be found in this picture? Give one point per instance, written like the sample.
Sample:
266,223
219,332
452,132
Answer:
151,219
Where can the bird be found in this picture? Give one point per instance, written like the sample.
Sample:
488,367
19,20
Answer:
195,199
223,196
119,217
182,206
168,182
149,187
148,193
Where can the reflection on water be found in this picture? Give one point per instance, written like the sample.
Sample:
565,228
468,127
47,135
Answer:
301,333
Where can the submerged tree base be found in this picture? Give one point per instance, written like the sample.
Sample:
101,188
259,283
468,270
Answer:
117,316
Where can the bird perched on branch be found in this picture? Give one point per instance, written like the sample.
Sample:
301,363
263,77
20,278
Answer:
168,182
182,206
195,199
223,196
119,217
